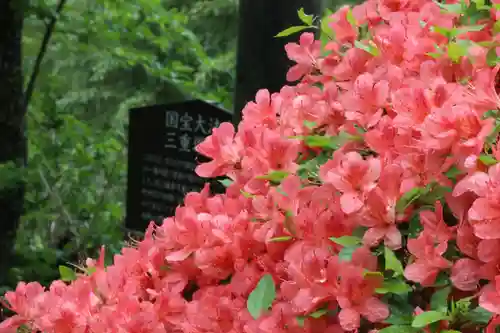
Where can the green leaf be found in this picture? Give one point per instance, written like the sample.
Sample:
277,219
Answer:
372,274
226,182
274,176
247,194
359,232
316,314
308,169
326,31
414,226
392,262
456,51
319,313
67,274
490,114
491,57
292,30
310,124
474,13
289,223
479,316
346,253
401,311
428,317
316,141
398,329
408,198
439,300
488,44
351,19
442,280
480,4
262,297
488,160
91,270
434,193
496,27
307,19
450,331
435,55
370,48
281,239
463,304
453,172
348,241
457,8
492,138
469,28
394,286
447,32
326,141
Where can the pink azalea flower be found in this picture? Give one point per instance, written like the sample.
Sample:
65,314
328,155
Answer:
353,176
304,54
428,259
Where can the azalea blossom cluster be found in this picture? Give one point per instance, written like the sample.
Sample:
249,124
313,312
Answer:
365,197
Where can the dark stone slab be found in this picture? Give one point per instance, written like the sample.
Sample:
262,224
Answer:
162,158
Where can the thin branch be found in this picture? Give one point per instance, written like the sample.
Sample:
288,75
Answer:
55,196
99,205
41,54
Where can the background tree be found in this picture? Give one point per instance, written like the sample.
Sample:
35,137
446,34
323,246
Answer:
104,58
261,60
12,125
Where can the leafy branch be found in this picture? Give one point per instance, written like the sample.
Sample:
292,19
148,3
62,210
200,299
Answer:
41,54
56,196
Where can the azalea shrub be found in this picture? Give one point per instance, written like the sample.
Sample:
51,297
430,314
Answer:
364,197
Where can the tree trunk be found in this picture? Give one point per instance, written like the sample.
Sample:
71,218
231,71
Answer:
12,126
261,60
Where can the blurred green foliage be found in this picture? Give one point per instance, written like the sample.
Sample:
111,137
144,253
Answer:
105,57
